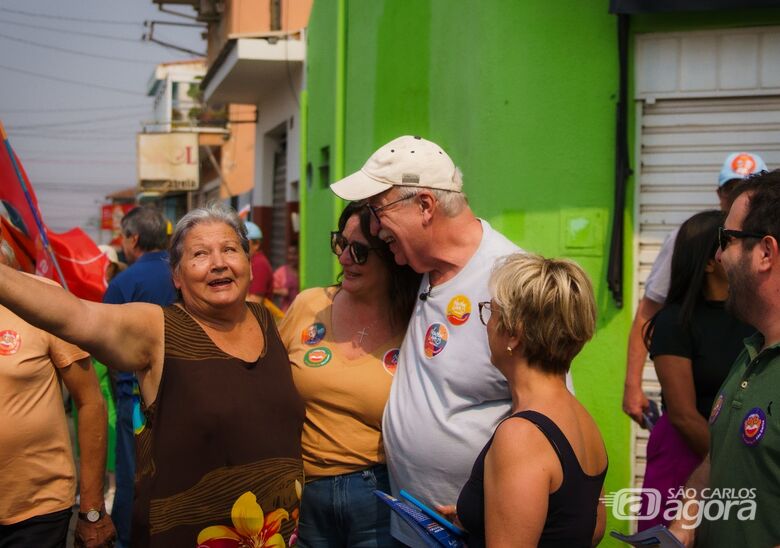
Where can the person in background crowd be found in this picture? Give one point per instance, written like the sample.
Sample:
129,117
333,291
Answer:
736,167
114,266
38,478
262,285
693,341
219,444
286,279
744,435
446,398
538,480
343,343
147,280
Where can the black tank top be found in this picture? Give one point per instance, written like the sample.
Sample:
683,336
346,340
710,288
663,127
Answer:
571,510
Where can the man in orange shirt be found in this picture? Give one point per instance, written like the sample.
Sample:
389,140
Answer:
38,480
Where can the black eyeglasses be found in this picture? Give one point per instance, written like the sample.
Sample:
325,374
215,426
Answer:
357,251
485,311
375,210
725,236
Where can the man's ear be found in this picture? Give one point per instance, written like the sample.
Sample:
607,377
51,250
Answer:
427,203
768,253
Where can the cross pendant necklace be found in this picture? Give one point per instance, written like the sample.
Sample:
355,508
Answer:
363,332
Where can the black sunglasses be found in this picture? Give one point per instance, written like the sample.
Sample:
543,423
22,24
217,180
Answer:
725,236
357,251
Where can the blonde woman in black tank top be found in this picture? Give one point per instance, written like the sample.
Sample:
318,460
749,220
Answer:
538,480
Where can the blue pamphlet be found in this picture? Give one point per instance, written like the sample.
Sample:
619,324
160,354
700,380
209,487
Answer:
655,536
441,520
431,532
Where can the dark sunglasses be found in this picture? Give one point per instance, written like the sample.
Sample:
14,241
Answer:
725,236
375,210
357,251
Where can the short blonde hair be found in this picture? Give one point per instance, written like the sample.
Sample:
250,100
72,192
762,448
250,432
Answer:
548,304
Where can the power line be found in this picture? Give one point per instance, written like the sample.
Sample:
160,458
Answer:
73,122
36,110
69,81
65,18
71,32
77,162
69,137
76,52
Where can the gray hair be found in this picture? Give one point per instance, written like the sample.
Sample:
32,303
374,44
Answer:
214,212
149,224
451,202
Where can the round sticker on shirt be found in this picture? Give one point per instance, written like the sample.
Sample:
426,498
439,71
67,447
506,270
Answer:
313,334
317,357
435,339
390,360
753,426
459,310
10,341
716,407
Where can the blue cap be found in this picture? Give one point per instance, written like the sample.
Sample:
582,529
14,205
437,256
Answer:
253,231
740,165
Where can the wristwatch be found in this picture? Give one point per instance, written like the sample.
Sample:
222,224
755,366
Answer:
92,515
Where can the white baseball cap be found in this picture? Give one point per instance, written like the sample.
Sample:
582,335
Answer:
405,161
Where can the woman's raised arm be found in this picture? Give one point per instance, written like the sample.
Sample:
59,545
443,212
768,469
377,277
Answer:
125,336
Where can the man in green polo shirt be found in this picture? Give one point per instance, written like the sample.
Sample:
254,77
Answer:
737,488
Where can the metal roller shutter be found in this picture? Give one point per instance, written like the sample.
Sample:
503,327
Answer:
683,144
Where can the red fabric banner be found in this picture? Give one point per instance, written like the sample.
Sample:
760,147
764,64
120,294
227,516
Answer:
83,265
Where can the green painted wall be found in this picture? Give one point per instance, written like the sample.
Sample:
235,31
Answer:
522,95
319,146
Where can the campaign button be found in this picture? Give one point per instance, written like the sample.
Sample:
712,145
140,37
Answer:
435,339
317,357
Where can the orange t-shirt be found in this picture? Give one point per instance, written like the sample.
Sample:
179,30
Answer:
37,474
344,398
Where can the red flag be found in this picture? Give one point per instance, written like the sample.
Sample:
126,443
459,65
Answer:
82,263
12,194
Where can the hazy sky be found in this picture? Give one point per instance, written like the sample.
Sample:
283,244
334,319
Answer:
73,81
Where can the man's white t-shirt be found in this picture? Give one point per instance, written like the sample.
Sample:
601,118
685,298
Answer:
657,284
446,398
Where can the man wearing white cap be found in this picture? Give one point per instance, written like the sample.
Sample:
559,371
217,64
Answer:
736,167
446,397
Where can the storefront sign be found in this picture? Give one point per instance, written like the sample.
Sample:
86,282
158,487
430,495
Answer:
168,162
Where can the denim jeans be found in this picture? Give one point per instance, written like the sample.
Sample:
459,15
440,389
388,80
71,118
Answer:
339,511
122,512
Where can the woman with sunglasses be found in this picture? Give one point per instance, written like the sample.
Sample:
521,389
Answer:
343,342
693,342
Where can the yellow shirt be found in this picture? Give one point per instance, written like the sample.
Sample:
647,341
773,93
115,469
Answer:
36,462
344,398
